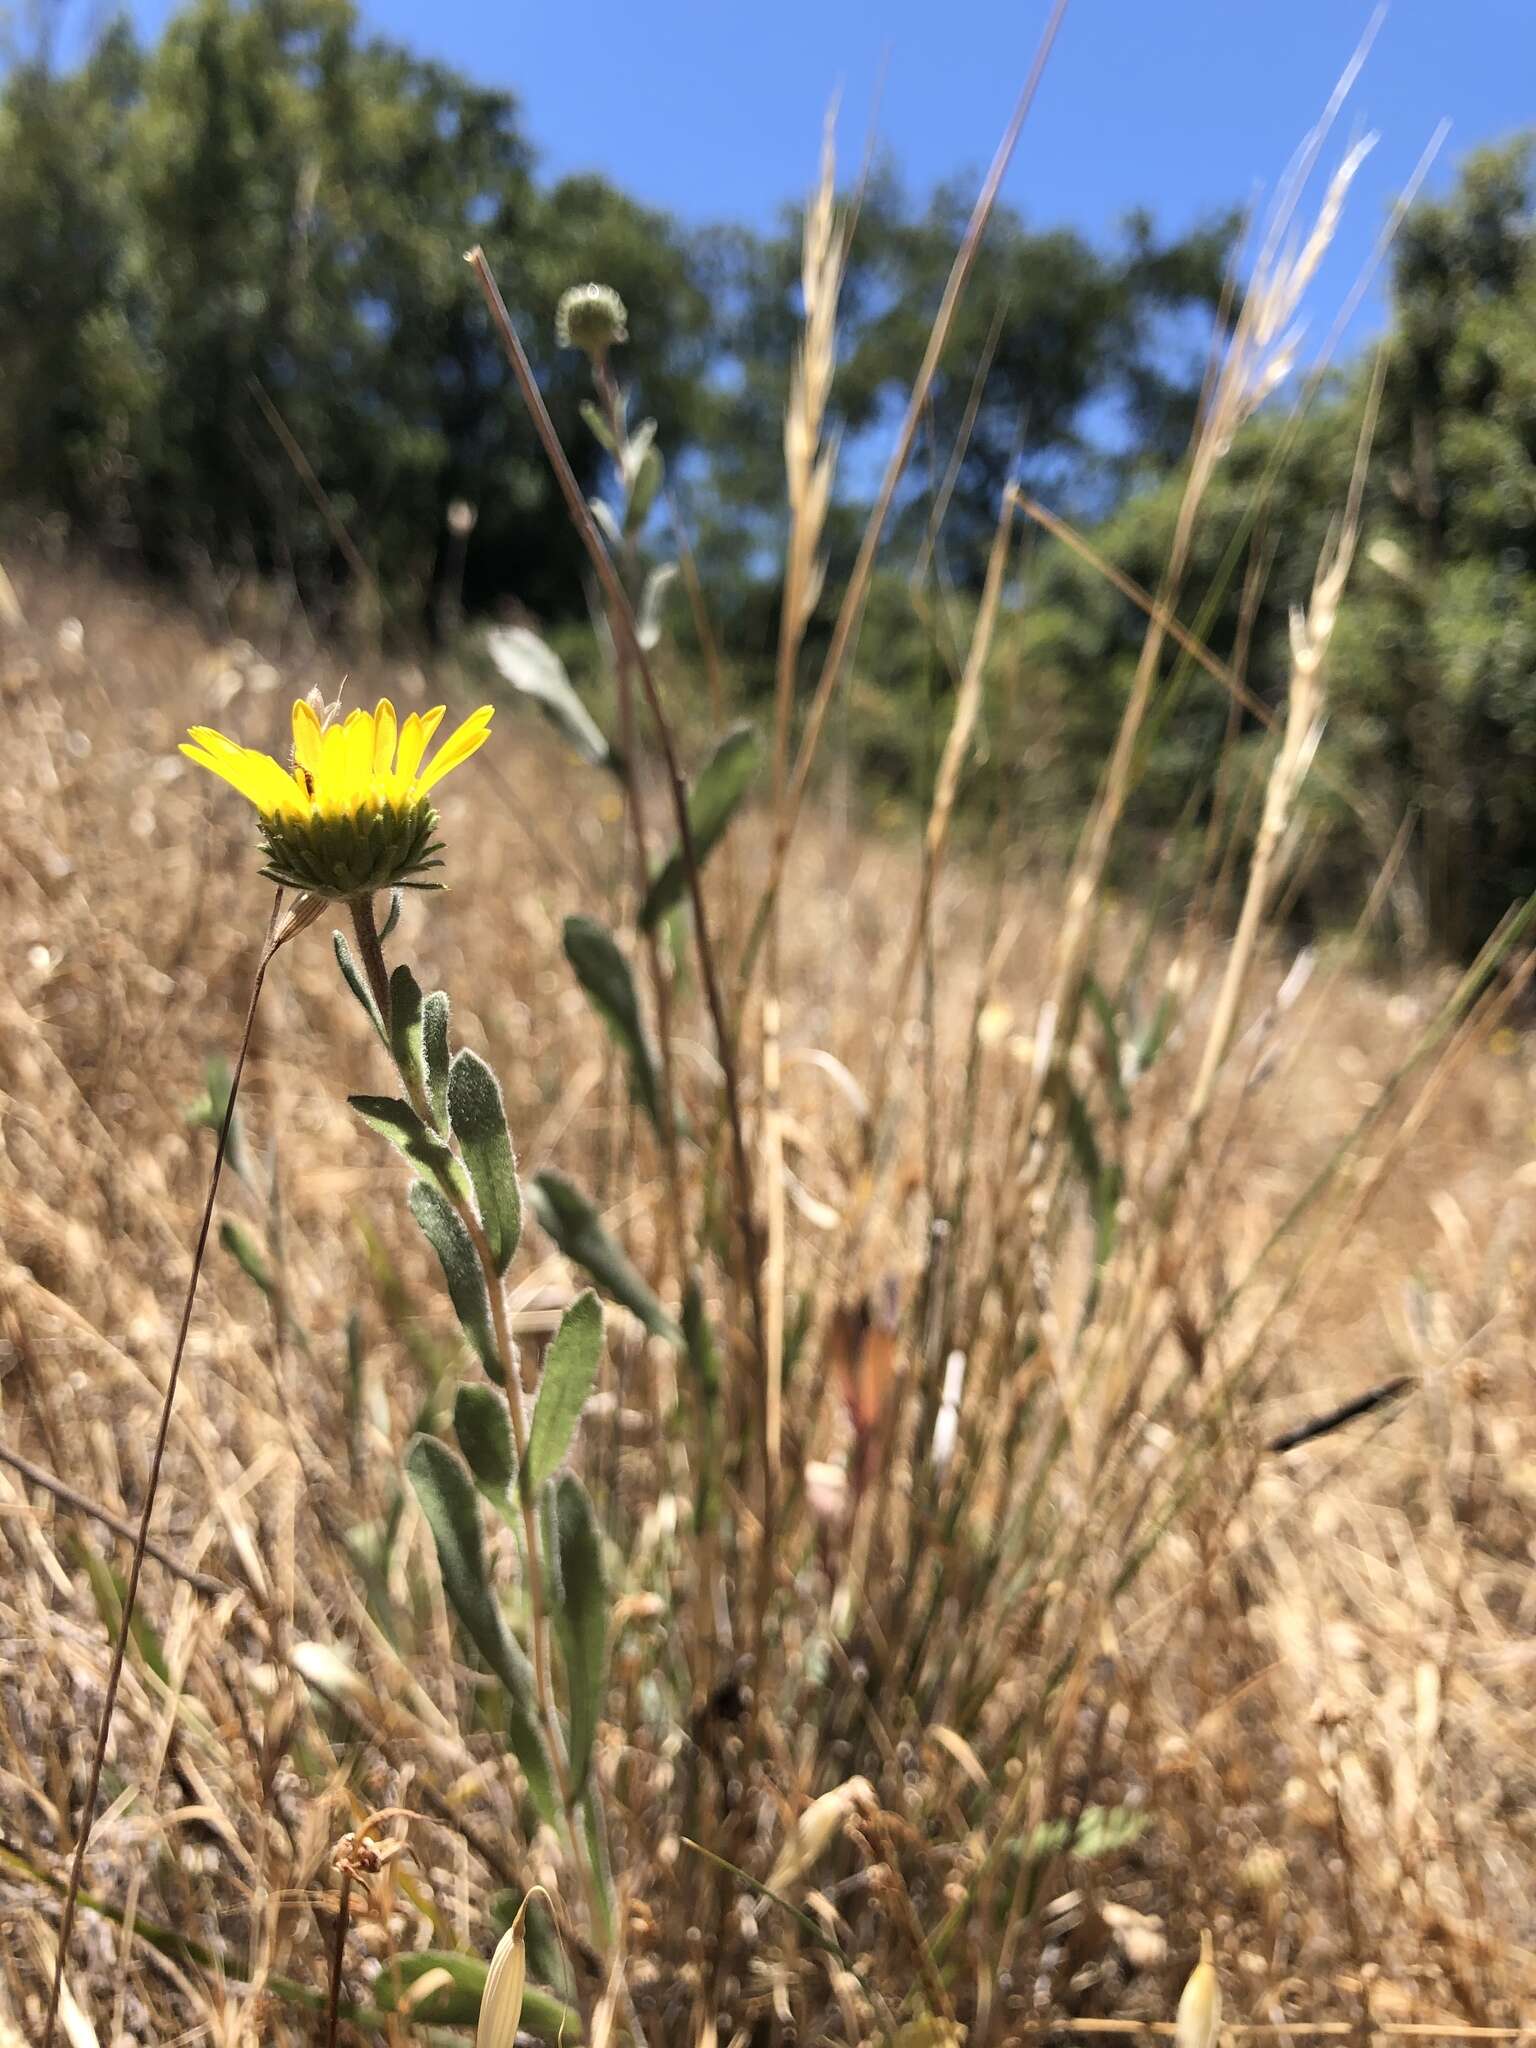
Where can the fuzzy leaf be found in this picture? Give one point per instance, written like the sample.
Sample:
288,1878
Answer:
581,1620
461,1269
484,1430
712,803
405,1007
535,670
574,1224
569,1372
452,1508
598,426
354,980
405,1130
480,1124
434,1053
604,973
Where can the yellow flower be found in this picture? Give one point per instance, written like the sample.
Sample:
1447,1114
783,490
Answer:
351,815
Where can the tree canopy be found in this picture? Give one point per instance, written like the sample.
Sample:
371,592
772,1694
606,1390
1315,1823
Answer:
264,213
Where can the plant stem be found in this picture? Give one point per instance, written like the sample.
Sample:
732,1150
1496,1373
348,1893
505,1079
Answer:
274,938
82,1504
333,2010
624,617
371,952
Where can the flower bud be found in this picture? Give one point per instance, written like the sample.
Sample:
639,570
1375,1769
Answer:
591,317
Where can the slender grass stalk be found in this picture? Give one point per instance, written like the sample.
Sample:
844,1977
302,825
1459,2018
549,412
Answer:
623,616
276,936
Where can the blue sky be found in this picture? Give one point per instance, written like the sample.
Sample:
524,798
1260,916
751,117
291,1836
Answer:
713,108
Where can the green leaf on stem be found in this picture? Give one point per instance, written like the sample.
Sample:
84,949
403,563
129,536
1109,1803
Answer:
574,1224
405,1014
604,973
452,1508
483,1425
434,1051
713,801
570,1369
581,1619
404,1129
457,2003
480,1124
461,1269
359,987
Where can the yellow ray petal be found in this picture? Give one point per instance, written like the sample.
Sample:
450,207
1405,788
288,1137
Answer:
306,735
384,734
331,774
257,776
470,737
414,738
358,772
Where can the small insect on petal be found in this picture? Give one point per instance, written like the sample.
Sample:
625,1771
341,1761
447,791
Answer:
1199,2016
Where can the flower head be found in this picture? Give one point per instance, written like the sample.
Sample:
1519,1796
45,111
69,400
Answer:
590,317
351,814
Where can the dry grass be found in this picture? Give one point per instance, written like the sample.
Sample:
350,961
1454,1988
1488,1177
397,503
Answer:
1318,1691
973,1648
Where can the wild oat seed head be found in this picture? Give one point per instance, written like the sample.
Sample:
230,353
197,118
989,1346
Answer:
591,317
351,815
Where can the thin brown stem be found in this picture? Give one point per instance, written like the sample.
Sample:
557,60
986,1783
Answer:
338,1957
371,952
624,619
83,1505
274,938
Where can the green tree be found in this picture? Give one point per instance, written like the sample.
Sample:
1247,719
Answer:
1432,687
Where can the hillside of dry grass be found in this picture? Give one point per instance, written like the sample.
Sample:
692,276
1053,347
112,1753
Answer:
1304,1719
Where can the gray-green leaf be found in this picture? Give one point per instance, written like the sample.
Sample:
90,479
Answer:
574,1224
461,1269
405,1008
570,1369
534,669
581,1621
405,1130
483,1426
358,986
452,1508
604,973
480,1124
434,1052
712,803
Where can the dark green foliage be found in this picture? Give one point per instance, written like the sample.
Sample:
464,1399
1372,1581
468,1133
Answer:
484,1430
452,1508
713,801
266,210
480,1124
581,1618
434,1052
604,973
570,1371
461,1269
574,1224
1432,673
268,201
